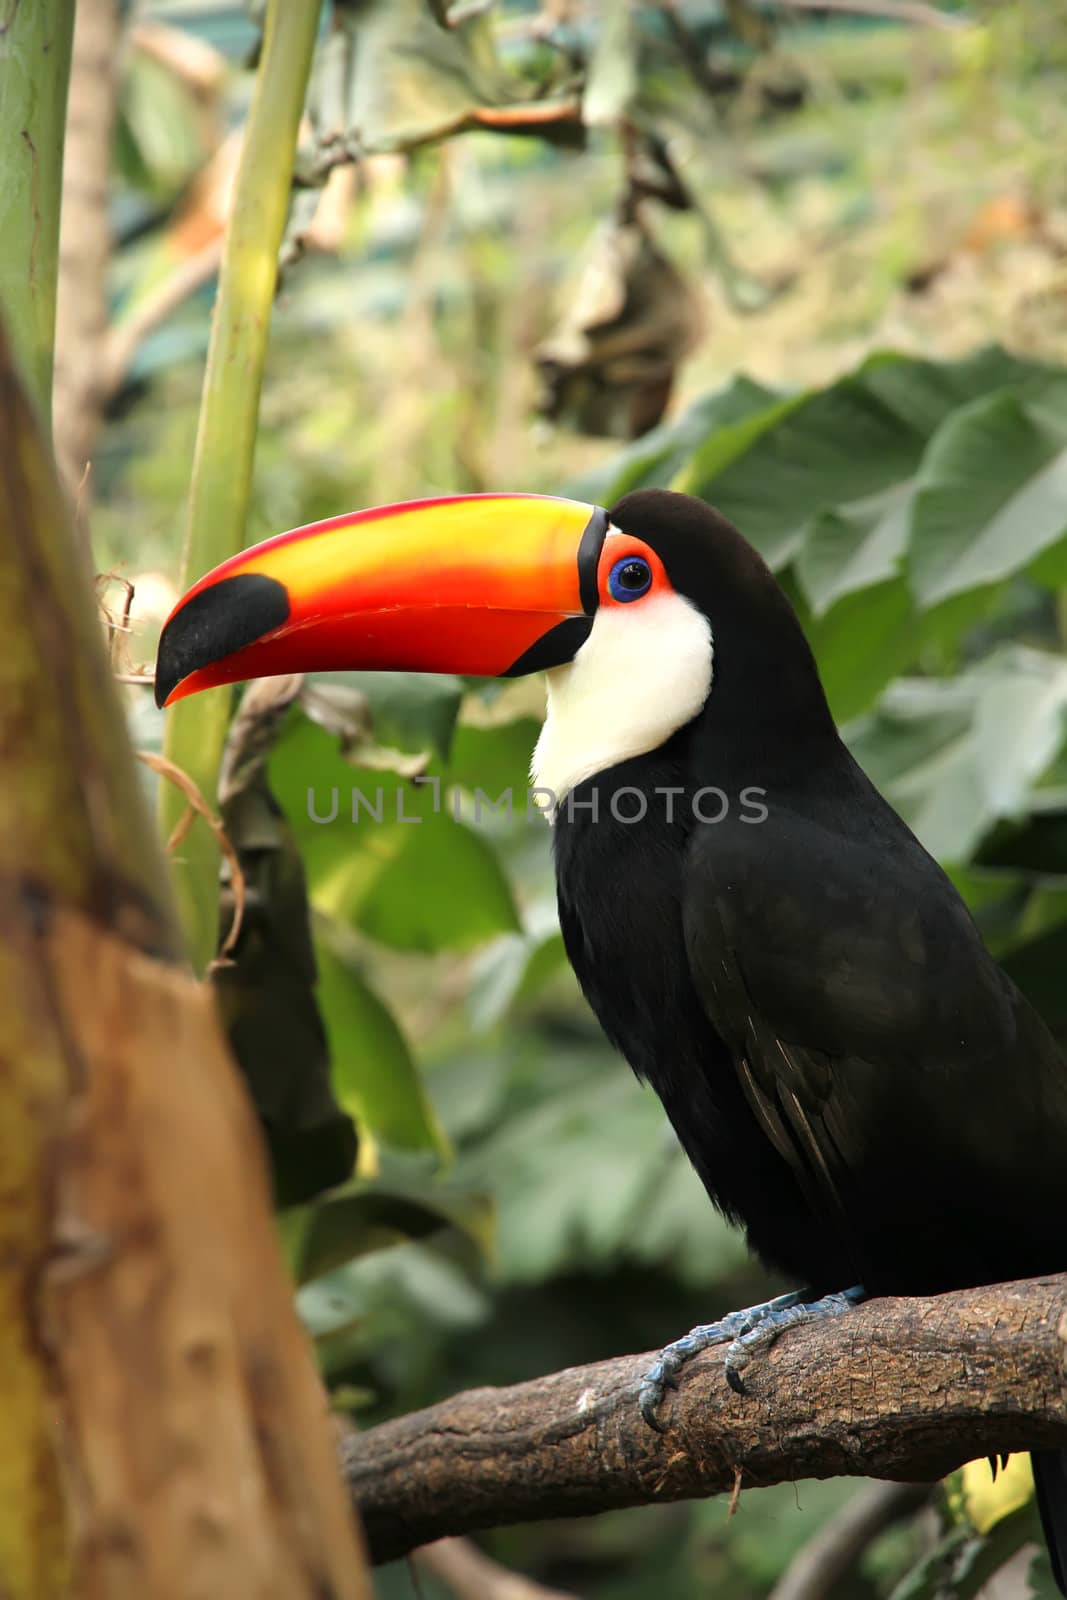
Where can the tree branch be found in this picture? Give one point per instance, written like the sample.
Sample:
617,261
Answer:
905,1389
471,1575
840,1542
913,11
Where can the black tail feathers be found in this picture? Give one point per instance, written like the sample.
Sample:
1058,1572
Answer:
1050,1476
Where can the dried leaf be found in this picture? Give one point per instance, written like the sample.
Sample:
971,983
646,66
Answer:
609,366
394,75
198,806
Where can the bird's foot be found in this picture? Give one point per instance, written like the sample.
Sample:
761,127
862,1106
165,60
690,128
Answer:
663,1373
760,1337
745,1333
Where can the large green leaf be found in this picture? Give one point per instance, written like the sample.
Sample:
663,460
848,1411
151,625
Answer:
373,1073
384,1302
349,818
516,967
863,641
831,448
372,1214
494,760
957,755
655,460
442,889
581,1163
992,493
832,469
853,547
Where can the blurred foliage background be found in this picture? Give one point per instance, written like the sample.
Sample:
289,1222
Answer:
808,262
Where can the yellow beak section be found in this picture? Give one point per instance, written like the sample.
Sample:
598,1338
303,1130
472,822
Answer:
487,585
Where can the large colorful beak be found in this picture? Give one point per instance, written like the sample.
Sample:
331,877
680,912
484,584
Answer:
490,585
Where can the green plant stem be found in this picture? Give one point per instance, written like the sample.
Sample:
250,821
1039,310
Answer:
35,46
229,411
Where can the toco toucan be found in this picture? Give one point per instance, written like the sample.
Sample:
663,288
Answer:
855,1080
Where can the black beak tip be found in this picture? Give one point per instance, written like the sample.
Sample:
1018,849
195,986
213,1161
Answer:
163,685
216,622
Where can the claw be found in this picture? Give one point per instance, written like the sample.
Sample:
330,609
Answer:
734,1378
745,1333
649,1400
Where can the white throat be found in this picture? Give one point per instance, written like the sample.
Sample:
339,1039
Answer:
644,671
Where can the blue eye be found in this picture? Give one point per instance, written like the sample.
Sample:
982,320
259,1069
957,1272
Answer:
629,579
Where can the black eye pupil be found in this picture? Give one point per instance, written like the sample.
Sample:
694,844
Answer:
634,575
629,579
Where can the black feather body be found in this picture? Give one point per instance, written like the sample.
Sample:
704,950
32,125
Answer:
854,1079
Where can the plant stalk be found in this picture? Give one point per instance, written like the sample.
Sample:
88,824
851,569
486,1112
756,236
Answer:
35,49
229,413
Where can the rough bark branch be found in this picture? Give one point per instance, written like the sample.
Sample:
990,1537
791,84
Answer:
900,1389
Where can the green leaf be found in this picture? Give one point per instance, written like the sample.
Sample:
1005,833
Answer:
1019,727
495,760
373,1214
711,462
836,446
372,1069
162,127
513,968
862,642
654,460
924,393
853,547
443,889
826,476
350,821
384,1299
992,492
584,1150
956,755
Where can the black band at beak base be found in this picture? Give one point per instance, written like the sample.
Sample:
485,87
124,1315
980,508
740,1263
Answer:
589,559
554,648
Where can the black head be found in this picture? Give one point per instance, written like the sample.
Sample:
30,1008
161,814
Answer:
765,682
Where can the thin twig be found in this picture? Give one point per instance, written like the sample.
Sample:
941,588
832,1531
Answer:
472,1575
124,338
912,11
198,806
840,1542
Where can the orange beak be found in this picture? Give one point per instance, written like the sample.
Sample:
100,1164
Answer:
486,585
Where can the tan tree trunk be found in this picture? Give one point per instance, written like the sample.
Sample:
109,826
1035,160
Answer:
165,1435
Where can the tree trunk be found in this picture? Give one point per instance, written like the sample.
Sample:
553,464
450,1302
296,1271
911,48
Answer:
165,1434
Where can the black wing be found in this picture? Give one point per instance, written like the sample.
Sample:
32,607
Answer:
911,1089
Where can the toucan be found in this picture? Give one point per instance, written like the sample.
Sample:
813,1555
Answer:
856,1081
